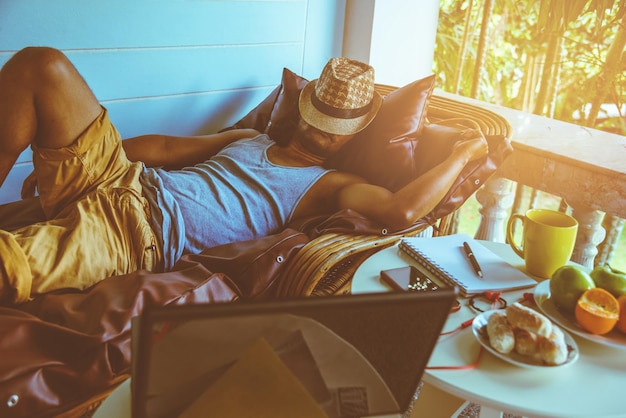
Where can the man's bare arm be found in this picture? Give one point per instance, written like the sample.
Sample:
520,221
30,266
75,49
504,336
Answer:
180,151
401,209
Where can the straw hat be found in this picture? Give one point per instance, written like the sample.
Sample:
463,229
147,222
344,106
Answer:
342,101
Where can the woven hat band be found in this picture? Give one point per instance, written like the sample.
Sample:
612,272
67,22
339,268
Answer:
337,112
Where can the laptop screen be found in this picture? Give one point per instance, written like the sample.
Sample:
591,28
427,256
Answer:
336,356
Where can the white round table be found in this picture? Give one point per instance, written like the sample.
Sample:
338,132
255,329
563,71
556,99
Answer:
594,386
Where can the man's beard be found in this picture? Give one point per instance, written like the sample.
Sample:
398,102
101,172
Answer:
310,144
316,150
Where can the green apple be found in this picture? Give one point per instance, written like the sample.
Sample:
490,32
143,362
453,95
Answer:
610,279
567,284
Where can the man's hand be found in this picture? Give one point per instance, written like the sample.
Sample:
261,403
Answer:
472,149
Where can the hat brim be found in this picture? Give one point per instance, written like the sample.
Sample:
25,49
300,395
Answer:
330,124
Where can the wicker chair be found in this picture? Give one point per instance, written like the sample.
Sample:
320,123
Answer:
325,265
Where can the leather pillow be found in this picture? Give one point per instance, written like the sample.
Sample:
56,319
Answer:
277,115
384,152
402,114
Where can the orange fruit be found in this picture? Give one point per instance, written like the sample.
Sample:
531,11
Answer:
597,311
621,322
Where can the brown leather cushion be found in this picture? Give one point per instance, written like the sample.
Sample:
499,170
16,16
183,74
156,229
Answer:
277,115
403,113
393,134
386,152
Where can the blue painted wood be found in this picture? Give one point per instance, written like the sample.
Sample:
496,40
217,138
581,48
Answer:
184,115
11,189
321,45
25,156
64,24
163,72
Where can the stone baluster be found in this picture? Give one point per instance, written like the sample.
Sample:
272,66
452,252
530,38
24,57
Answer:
496,198
613,226
590,234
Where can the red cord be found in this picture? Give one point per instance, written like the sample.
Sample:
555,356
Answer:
492,296
528,298
460,327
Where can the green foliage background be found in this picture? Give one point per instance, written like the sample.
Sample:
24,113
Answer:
515,51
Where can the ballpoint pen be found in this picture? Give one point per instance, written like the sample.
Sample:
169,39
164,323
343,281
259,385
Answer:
472,259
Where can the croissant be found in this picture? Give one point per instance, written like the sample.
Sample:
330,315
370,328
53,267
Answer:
526,343
500,333
553,350
527,319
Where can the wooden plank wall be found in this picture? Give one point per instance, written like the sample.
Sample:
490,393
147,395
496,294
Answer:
175,66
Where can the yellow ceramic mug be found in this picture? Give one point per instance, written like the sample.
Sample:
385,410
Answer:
548,240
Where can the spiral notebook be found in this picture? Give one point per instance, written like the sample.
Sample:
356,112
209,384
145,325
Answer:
444,258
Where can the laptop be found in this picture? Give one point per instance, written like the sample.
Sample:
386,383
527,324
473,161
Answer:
336,356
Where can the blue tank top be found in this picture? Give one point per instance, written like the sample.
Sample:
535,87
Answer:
236,195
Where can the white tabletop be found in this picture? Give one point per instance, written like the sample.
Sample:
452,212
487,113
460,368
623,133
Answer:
594,386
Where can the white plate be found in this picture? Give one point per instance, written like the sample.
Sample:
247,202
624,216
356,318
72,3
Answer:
479,328
547,306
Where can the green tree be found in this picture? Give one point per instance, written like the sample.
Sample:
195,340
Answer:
516,53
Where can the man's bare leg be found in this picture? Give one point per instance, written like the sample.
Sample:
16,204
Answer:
43,101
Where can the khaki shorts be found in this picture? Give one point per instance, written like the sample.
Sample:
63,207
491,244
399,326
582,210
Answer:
98,220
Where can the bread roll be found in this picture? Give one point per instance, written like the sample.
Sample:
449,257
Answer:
553,349
527,319
526,343
500,333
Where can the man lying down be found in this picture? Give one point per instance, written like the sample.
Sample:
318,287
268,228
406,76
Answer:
113,208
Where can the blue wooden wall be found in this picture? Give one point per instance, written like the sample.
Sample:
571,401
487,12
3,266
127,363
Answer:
175,66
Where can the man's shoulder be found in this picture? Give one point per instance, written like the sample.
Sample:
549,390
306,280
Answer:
322,196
